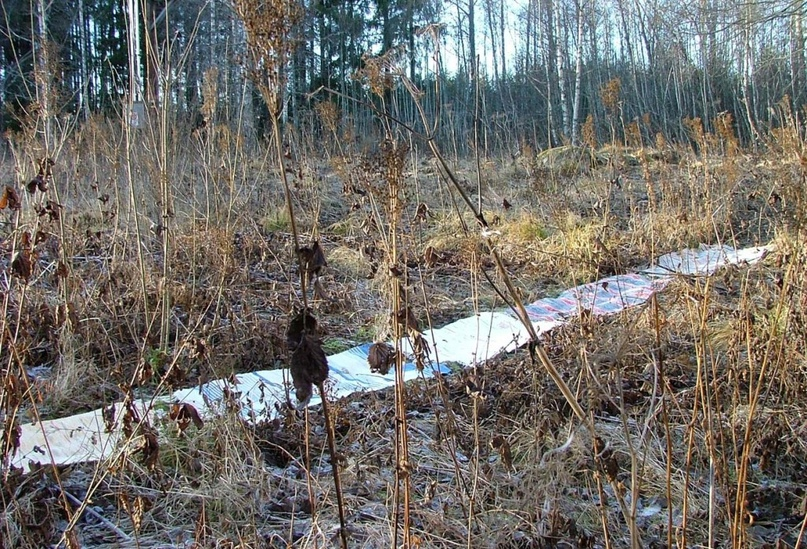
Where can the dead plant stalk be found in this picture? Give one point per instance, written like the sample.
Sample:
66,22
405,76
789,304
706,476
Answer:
270,27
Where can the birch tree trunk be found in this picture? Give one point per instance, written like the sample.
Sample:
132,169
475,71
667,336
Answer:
550,58
503,39
472,61
797,65
578,73
629,53
560,65
43,78
83,84
528,37
489,11
748,73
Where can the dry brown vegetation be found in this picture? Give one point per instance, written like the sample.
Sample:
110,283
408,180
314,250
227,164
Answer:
138,262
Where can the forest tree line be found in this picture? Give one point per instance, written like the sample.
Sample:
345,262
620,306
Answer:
543,72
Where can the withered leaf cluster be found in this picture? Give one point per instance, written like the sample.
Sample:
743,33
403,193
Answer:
22,264
312,260
132,425
432,257
12,434
408,323
381,357
422,212
500,445
303,323
37,183
150,451
198,348
51,209
406,320
421,350
42,178
605,459
184,414
108,414
308,363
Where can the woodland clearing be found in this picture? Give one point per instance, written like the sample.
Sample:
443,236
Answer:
694,411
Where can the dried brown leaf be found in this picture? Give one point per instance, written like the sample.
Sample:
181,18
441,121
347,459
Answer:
605,459
319,291
12,433
422,212
13,391
108,413
431,257
21,265
421,349
309,367
10,199
500,444
312,260
33,184
150,452
302,324
198,348
185,414
53,209
407,320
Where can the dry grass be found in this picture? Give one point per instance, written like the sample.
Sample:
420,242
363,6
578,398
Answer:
698,398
